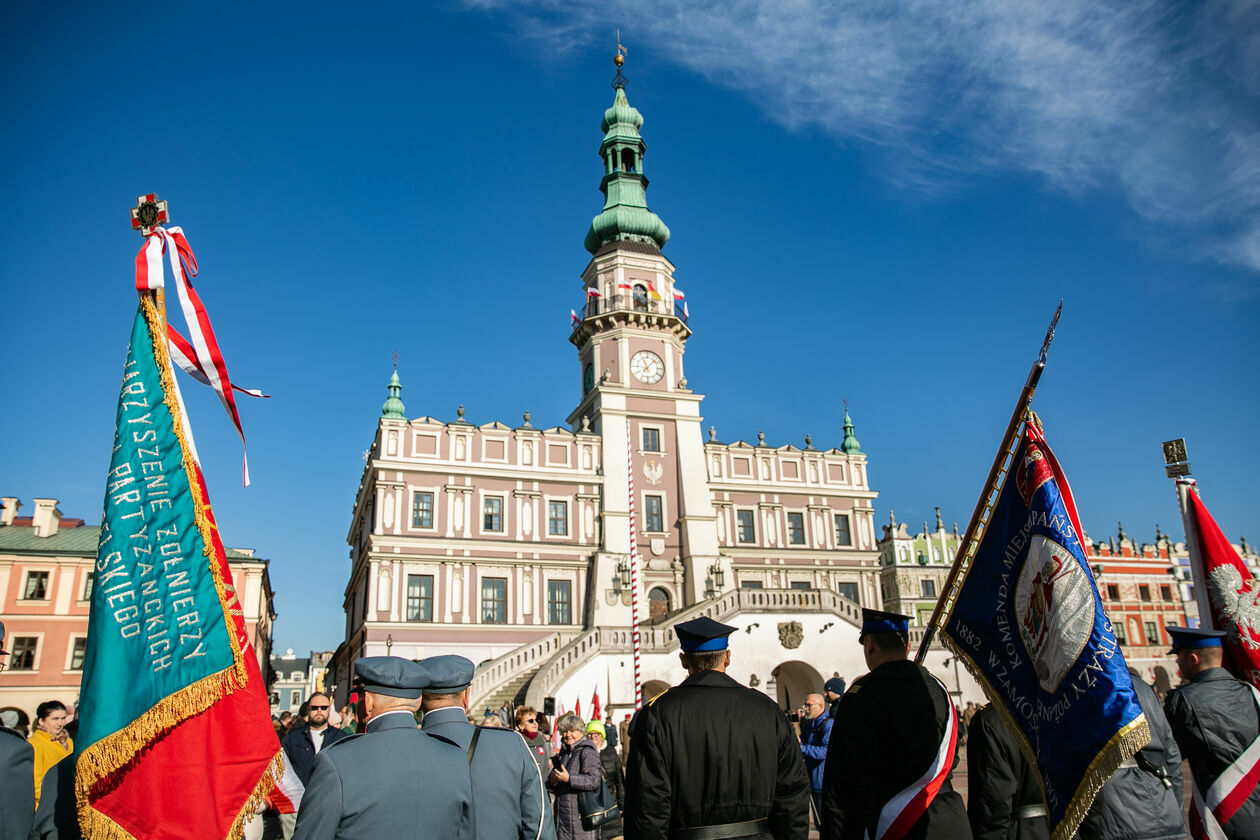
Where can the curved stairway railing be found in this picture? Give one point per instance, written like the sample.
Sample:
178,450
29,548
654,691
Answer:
516,662
661,639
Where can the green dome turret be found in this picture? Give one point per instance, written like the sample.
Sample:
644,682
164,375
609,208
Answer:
393,407
850,445
626,214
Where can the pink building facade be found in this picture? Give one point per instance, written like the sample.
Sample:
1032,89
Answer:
510,544
47,565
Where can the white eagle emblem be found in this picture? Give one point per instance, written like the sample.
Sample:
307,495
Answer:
1054,604
652,471
1237,602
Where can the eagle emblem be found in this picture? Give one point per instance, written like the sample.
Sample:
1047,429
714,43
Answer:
652,471
1054,605
1237,602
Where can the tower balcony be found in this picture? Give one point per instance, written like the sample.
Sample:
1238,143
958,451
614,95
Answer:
601,313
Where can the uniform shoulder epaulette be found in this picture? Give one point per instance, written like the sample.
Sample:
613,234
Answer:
657,697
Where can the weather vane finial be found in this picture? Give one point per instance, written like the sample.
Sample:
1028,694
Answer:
395,359
620,59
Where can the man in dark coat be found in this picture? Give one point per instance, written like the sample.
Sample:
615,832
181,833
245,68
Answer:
304,741
1004,801
1142,799
893,724
17,768
1214,719
833,691
711,758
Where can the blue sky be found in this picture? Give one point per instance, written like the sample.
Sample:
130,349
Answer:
884,207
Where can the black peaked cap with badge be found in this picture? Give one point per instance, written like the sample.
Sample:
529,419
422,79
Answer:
703,634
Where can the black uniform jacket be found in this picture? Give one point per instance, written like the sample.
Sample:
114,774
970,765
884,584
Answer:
889,729
1001,782
1214,718
709,752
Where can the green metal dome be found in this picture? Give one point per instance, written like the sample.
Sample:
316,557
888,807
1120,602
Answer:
626,214
393,407
850,445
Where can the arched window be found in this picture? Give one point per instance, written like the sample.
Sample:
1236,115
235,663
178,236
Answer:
640,297
658,602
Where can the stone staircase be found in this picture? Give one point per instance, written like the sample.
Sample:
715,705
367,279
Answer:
509,675
512,692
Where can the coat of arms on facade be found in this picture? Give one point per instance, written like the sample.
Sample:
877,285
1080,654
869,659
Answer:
791,634
652,471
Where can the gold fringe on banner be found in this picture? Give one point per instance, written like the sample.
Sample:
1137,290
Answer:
1121,747
116,751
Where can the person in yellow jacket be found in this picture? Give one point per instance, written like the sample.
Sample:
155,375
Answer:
50,739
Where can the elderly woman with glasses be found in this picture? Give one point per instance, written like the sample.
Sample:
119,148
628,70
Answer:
576,769
539,746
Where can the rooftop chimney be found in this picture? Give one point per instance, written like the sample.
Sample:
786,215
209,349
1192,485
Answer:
46,517
11,505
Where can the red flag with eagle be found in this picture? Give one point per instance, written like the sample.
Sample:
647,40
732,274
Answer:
1232,590
175,737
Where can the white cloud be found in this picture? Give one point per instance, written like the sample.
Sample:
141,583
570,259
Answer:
1158,101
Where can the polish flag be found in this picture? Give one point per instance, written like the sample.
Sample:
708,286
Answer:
286,797
573,316
591,291
678,295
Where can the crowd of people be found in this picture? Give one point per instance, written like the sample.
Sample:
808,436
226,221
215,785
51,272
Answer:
711,759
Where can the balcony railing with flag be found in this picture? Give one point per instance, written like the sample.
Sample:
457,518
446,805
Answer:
631,303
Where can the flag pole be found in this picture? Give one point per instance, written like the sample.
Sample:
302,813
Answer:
1185,486
992,487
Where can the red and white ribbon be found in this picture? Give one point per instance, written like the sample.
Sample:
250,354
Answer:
286,796
634,568
901,812
201,357
1227,794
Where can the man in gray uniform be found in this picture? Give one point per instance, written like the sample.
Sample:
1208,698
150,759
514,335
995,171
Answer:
508,793
392,780
17,768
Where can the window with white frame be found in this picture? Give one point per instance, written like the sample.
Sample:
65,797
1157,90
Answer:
651,439
36,588
558,519
796,528
494,600
559,602
78,651
653,513
745,527
492,513
89,580
419,597
422,510
843,535
22,656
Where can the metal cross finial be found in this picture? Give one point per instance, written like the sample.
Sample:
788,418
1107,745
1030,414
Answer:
148,213
845,400
395,358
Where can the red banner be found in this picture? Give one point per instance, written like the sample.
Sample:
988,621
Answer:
1232,590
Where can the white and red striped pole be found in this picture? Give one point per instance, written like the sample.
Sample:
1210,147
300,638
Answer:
634,567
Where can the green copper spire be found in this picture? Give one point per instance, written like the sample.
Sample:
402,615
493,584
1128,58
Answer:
626,214
850,445
393,407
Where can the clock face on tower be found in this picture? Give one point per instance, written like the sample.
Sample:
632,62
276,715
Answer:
647,367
